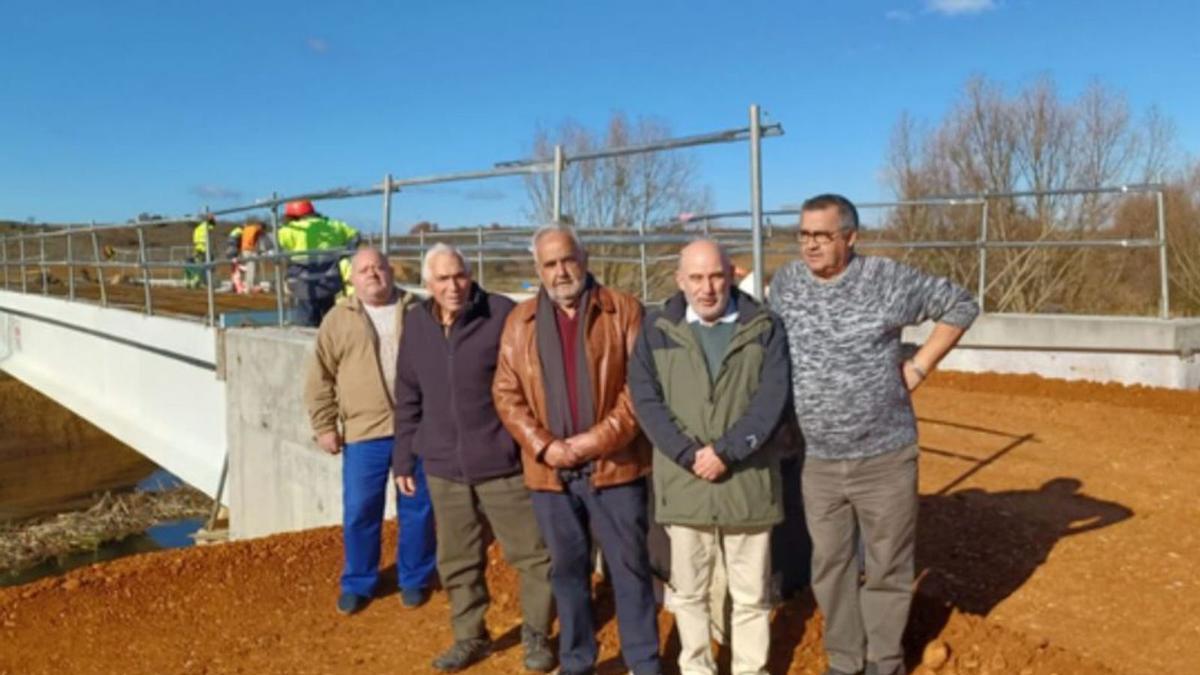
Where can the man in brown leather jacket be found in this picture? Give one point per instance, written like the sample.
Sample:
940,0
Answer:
560,391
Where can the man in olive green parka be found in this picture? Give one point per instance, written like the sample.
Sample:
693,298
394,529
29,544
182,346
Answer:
710,380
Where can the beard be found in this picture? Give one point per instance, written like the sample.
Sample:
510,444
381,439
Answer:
566,293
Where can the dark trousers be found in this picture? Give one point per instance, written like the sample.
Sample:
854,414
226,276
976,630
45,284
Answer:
791,548
617,516
365,468
310,311
461,512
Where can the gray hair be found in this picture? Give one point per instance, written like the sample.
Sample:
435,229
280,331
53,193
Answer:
847,213
441,249
553,227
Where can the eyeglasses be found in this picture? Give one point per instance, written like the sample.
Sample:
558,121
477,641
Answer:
821,237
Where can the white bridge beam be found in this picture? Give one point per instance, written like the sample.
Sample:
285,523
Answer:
149,381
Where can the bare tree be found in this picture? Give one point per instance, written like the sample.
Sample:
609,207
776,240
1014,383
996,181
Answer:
646,189
1181,200
1184,209
991,142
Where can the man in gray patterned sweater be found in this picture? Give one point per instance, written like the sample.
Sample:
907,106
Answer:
843,314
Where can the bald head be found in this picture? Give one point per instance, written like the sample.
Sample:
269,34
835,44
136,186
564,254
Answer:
705,250
367,254
371,276
705,275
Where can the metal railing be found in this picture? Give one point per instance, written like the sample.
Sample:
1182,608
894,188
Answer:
752,134
488,245
983,243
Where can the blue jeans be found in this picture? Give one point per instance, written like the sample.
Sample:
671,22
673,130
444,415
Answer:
618,517
365,475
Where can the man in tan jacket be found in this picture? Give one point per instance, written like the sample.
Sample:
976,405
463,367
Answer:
560,391
350,384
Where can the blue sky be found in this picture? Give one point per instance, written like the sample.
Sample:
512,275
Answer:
109,109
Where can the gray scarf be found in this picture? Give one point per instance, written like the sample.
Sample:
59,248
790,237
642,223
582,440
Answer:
554,374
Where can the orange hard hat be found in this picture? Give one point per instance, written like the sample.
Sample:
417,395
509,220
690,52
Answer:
298,209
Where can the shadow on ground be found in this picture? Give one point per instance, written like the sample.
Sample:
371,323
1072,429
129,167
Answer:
975,548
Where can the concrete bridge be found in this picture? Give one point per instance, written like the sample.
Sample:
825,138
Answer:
152,382
191,396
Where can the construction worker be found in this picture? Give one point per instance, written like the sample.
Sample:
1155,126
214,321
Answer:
193,275
250,241
233,247
314,280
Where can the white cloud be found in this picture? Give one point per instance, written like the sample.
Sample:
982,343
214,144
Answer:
959,7
216,192
316,45
897,15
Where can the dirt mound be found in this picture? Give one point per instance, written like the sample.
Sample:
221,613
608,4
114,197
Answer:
1168,401
267,606
1057,535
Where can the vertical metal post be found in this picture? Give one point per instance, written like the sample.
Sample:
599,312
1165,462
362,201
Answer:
556,213
145,271
981,293
99,267
208,269
386,225
642,261
70,267
278,257
42,263
756,199
216,508
4,248
1164,297
21,250
421,247
479,276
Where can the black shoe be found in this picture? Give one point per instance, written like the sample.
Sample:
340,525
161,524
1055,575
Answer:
462,654
538,656
349,603
413,598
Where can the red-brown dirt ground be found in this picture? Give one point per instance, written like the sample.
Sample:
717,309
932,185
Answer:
1057,536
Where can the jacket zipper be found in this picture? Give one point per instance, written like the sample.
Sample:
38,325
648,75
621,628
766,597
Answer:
583,326
462,467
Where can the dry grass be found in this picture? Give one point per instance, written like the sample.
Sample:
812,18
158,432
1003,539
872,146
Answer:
112,518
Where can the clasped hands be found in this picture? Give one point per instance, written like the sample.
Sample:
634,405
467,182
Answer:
708,464
564,454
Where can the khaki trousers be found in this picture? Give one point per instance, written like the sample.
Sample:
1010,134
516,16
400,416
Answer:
876,496
696,553
459,511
